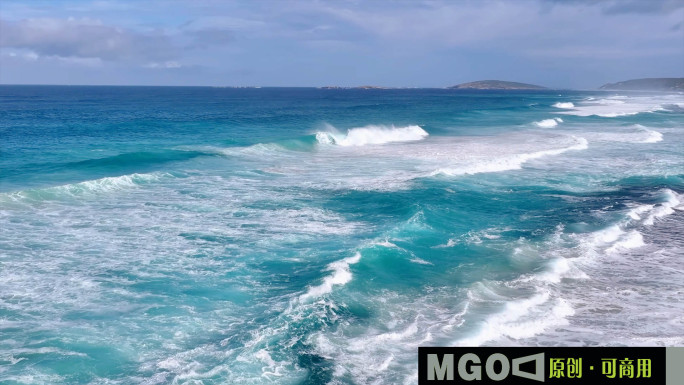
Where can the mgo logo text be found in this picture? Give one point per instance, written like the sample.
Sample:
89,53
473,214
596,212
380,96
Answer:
451,365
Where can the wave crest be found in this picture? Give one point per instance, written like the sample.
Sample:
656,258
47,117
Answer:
95,186
514,162
616,106
564,105
653,136
340,276
635,134
548,123
373,134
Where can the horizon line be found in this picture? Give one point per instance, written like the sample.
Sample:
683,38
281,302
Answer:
332,87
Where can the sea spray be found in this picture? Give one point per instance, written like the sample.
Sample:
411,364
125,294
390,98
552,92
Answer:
372,134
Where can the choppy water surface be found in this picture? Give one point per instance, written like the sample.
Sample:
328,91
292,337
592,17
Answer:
304,236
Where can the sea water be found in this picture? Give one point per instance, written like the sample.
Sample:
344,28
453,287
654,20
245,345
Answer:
156,235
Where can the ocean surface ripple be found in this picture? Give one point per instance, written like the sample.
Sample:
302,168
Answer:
161,235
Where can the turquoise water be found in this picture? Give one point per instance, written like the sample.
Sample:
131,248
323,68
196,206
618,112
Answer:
160,235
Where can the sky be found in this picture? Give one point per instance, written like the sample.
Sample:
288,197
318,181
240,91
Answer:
579,44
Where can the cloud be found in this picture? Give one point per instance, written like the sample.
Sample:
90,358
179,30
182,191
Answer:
168,64
223,23
518,26
418,42
210,31
442,23
641,6
210,37
87,39
616,7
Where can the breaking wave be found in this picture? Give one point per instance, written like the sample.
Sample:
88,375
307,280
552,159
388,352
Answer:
636,134
89,187
565,105
373,134
549,307
513,162
618,106
653,136
340,276
548,123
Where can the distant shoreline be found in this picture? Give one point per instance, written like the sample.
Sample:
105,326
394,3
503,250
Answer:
363,88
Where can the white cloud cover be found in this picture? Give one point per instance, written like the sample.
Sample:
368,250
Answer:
428,43
84,38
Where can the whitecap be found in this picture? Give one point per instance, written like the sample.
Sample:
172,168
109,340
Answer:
513,162
95,186
564,105
548,123
373,134
522,318
340,276
617,106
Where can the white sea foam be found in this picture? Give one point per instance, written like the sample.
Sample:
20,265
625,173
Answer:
548,123
607,235
325,138
647,135
623,236
387,243
634,134
107,184
397,164
544,311
558,269
340,276
630,280
377,354
513,162
450,243
420,261
522,319
96,186
307,220
629,240
36,378
640,134
605,241
373,134
653,137
256,150
636,212
272,368
673,201
564,105
615,106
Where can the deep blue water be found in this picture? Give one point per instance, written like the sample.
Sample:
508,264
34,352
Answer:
301,236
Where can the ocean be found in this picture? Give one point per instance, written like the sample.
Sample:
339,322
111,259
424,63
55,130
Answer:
198,235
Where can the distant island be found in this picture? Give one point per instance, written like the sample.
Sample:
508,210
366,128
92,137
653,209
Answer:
372,88
497,85
648,84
